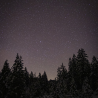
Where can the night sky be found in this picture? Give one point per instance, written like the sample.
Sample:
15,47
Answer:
46,33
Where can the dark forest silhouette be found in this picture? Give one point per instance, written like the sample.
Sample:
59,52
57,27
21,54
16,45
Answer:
79,81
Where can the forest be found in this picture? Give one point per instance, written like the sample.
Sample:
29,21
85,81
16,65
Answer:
79,81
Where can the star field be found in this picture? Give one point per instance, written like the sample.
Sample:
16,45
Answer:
47,32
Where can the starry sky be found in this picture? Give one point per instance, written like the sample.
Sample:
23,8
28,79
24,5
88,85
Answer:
46,33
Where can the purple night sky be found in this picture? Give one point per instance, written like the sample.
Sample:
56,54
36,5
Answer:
47,32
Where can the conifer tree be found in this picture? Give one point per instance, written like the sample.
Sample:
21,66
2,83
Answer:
35,87
27,77
4,80
83,67
62,80
61,72
94,73
73,71
31,86
44,81
39,76
31,77
69,74
17,79
39,84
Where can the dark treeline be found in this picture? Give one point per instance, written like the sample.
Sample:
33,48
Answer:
80,80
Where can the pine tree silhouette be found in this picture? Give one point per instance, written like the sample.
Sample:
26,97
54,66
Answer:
94,73
44,82
83,67
18,82
4,80
62,80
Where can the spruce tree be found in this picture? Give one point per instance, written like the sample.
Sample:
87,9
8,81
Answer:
44,81
62,80
35,87
73,71
31,77
94,73
72,65
83,67
17,79
69,74
4,80
26,73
